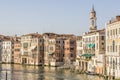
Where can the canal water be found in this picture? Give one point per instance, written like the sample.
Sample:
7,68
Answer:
20,72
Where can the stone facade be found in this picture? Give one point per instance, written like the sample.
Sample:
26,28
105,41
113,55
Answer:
79,50
32,50
47,37
7,51
70,50
94,47
113,47
17,52
93,43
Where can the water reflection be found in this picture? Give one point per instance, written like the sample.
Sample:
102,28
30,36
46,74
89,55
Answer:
20,72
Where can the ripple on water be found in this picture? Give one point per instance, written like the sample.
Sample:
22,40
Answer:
19,72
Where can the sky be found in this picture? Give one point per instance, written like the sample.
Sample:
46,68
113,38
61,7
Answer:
57,16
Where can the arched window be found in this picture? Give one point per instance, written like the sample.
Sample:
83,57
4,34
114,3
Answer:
113,44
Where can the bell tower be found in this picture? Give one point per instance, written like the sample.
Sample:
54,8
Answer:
93,19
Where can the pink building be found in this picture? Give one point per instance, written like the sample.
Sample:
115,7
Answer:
70,50
17,53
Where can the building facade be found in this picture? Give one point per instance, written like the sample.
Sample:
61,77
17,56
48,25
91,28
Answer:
113,48
94,51
7,51
32,49
79,50
17,52
47,47
55,50
70,50
92,58
1,39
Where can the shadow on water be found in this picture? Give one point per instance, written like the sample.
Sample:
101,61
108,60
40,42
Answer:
22,72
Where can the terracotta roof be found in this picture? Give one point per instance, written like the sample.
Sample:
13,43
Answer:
54,35
94,32
113,20
79,37
3,38
51,35
33,34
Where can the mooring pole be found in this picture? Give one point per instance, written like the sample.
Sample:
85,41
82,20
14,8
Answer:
6,74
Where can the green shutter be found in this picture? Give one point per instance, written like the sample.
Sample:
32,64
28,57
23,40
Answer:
92,46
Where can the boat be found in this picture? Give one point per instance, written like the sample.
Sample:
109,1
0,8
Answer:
90,73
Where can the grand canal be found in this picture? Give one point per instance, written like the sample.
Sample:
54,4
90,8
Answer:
20,72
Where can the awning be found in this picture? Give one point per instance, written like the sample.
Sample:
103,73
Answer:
92,45
88,55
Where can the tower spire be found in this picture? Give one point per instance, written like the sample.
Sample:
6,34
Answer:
93,18
93,8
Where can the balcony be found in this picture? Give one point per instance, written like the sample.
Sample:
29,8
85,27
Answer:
87,56
25,54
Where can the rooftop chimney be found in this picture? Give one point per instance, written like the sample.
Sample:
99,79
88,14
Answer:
118,18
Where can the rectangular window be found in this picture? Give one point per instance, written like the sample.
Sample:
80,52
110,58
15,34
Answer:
89,39
41,48
71,48
102,43
25,45
102,37
108,33
80,44
111,32
51,48
116,61
111,61
116,48
97,46
72,42
108,48
71,55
